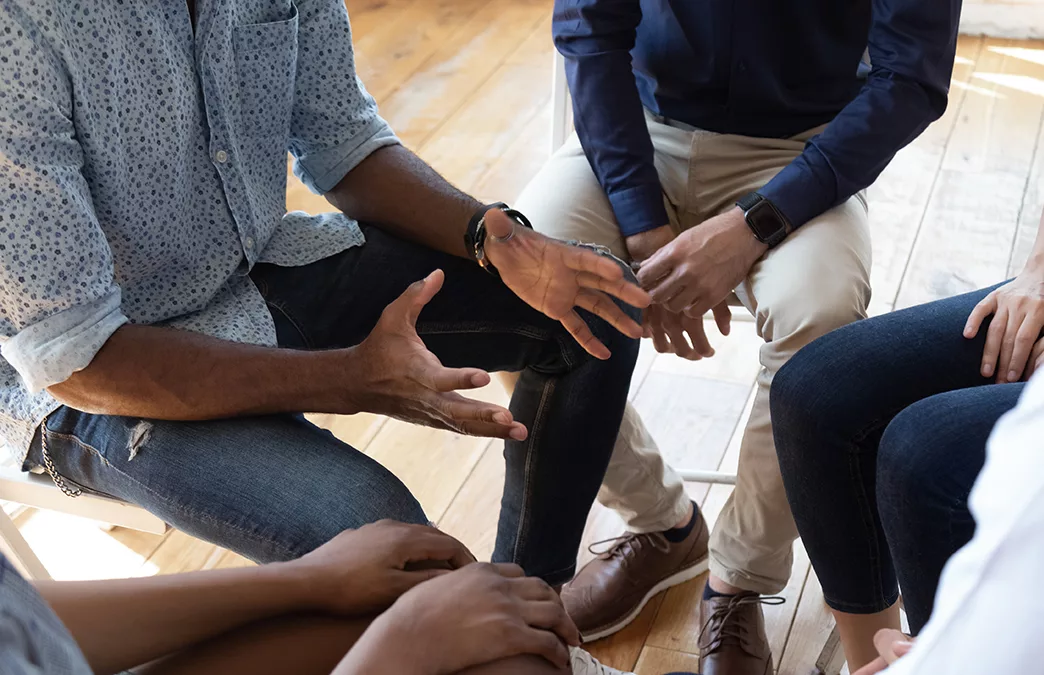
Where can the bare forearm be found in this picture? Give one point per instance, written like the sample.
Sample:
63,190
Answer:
160,373
395,190
123,623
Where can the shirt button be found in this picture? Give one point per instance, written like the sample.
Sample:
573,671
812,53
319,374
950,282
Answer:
249,242
221,156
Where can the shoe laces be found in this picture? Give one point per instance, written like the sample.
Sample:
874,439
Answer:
733,632
628,541
584,664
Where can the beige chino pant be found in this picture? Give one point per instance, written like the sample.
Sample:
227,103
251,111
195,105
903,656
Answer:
815,281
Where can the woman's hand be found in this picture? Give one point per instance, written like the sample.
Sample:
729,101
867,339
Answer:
480,614
366,570
1018,317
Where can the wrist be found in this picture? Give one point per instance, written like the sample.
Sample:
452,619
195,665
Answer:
348,390
1034,266
287,587
643,245
753,247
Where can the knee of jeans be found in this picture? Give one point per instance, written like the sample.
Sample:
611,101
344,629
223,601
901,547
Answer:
337,513
912,459
810,394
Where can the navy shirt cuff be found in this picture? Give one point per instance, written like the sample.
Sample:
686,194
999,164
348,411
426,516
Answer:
800,192
639,209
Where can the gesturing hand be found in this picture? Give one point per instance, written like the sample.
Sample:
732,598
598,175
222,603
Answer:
1018,317
480,614
365,570
394,374
699,269
555,278
668,331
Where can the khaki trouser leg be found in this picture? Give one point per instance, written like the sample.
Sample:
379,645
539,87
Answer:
814,282
565,201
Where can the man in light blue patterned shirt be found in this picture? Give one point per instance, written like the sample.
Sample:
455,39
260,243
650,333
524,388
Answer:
164,322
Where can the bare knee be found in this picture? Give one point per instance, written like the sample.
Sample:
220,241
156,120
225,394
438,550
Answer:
518,665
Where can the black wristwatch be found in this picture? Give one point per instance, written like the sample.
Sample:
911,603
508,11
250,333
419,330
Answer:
768,223
475,236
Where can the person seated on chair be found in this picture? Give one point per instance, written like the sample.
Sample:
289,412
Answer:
984,620
165,322
725,148
387,598
881,429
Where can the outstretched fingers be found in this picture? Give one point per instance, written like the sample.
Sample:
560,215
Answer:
620,288
479,418
581,332
600,305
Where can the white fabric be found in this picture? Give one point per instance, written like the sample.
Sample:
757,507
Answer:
989,613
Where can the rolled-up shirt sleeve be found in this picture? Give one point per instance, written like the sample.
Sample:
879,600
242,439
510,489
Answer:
59,301
335,123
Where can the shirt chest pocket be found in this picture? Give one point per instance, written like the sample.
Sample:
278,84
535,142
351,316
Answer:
266,65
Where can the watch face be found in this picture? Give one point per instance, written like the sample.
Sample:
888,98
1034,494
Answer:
765,222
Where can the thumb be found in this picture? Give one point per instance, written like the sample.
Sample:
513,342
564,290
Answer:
498,224
413,299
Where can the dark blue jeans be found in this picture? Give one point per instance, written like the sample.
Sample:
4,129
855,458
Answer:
276,487
881,430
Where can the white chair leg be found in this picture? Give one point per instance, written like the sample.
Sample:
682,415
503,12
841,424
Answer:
717,477
18,551
561,110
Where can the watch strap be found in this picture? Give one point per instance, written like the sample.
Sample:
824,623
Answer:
475,235
749,201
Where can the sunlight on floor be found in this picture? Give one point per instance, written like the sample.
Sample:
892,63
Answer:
1024,53
1026,83
957,84
76,548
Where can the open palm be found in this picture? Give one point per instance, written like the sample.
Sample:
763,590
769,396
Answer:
556,278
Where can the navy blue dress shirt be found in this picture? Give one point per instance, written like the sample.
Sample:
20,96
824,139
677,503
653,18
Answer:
767,68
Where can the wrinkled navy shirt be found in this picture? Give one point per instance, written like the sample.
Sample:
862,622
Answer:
143,171
766,68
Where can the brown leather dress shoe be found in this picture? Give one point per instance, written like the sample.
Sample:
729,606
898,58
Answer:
732,640
611,590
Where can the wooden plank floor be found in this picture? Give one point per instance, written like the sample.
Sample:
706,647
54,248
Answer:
466,84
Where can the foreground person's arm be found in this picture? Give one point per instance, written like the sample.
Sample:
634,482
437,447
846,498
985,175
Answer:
480,615
123,623
158,373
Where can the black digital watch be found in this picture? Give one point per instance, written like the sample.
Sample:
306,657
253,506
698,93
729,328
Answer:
768,224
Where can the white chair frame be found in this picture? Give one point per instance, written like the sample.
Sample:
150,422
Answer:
831,659
39,491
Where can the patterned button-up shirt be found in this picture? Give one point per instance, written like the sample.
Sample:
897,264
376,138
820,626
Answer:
33,641
143,171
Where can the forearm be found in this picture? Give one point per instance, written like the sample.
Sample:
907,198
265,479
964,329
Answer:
123,623
160,373
395,190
